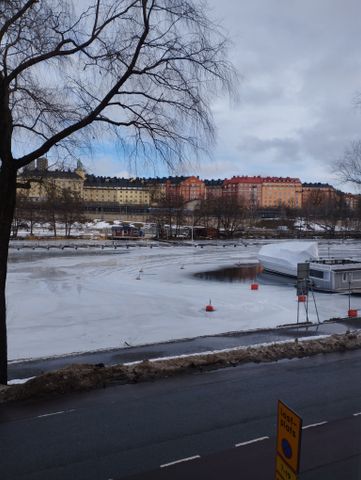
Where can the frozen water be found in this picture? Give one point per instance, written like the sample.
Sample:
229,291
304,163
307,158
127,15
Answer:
64,302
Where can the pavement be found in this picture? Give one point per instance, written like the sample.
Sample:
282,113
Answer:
138,428
31,368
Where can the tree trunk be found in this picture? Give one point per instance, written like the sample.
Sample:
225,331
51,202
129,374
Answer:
7,208
54,224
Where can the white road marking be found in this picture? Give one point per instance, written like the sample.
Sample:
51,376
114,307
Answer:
357,414
180,461
314,425
260,439
55,413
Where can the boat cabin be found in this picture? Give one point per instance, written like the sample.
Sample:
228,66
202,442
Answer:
336,275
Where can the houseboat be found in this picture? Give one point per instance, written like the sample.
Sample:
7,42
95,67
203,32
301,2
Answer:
325,274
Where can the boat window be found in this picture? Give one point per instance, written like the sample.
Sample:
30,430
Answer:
316,273
347,277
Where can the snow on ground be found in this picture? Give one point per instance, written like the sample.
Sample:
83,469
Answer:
64,302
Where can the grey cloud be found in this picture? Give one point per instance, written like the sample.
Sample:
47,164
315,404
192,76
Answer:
301,68
274,149
300,64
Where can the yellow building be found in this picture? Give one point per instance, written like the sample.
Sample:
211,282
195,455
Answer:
122,191
43,181
278,191
95,191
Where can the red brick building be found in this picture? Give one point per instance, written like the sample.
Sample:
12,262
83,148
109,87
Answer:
247,188
189,188
214,188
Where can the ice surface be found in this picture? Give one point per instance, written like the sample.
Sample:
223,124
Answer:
64,302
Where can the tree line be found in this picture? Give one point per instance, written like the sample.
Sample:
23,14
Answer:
231,215
59,206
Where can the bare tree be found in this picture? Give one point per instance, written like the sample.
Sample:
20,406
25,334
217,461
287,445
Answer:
28,212
71,210
61,206
348,167
206,212
169,215
50,204
327,212
231,212
312,206
143,70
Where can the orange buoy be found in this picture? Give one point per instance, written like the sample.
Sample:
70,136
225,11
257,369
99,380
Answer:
210,307
302,298
352,313
254,286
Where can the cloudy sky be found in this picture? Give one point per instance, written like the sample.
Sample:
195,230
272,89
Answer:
300,73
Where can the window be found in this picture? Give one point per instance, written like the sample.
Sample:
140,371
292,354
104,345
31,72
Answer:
316,273
347,277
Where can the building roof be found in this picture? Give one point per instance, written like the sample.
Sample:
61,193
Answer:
56,174
213,183
176,180
317,185
242,179
111,182
280,180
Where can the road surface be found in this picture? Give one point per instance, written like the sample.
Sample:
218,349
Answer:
133,429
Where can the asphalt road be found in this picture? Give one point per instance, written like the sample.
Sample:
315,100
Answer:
338,459
132,429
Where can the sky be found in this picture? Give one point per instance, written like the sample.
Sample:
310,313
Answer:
299,65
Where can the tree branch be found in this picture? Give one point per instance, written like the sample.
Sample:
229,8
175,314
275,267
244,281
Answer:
15,17
26,159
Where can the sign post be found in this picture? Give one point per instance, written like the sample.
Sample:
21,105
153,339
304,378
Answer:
283,471
303,272
289,432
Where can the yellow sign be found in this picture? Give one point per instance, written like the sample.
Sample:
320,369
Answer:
289,429
283,471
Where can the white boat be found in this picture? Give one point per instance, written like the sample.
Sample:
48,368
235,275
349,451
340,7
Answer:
283,257
327,275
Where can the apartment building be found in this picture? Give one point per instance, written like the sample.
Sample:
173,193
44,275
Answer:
189,188
317,192
44,181
213,188
256,191
247,188
352,200
281,191
113,190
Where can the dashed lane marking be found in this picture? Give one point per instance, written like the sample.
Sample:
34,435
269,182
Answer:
188,459
312,425
55,413
357,414
260,439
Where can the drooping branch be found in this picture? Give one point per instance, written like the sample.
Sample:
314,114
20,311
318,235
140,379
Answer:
147,66
88,119
18,14
59,51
